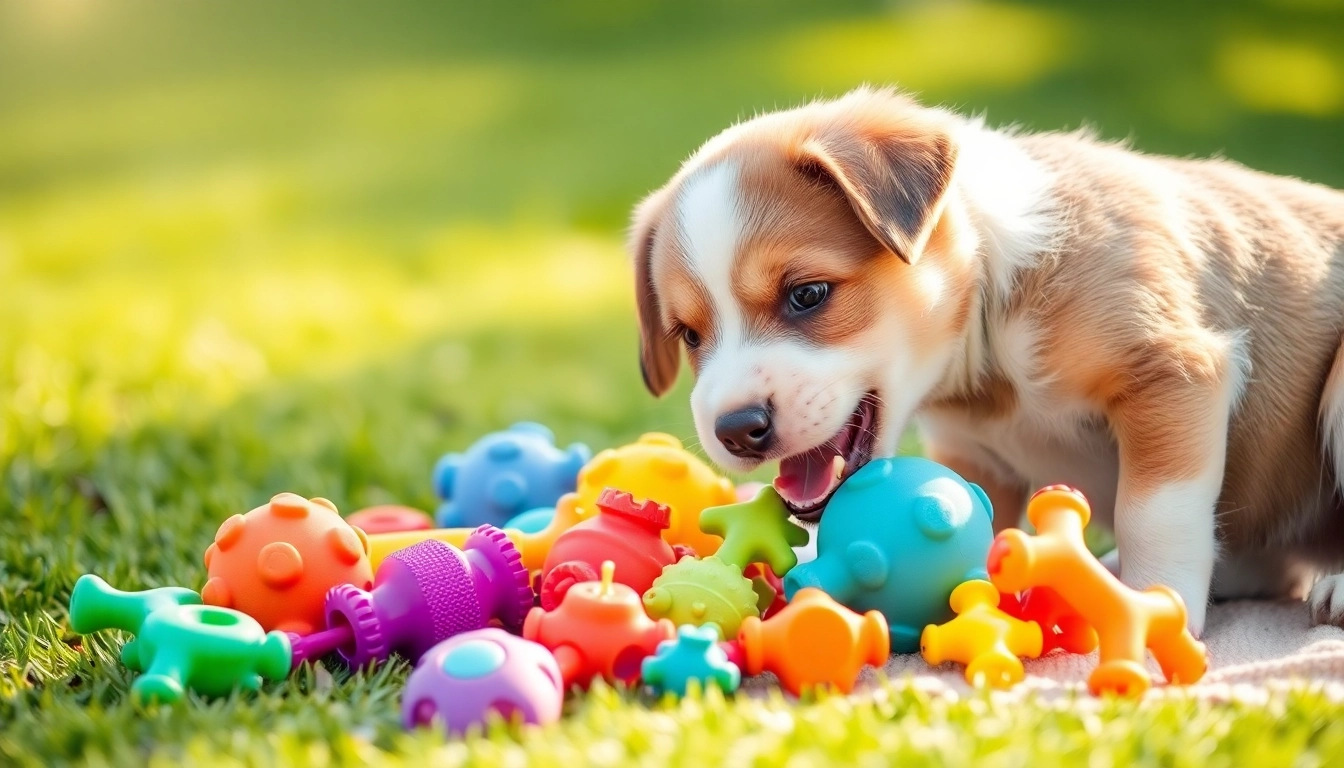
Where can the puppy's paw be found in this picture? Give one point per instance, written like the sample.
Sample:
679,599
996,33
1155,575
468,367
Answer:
1327,601
1112,561
1194,592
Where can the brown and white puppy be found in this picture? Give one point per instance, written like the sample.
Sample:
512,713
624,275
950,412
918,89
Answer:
1162,334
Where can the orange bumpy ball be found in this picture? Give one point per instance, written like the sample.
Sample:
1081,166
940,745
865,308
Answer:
1126,621
277,562
658,468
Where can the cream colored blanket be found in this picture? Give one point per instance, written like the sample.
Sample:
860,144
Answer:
1254,647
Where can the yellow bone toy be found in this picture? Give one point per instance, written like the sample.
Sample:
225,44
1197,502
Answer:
984,638
532,546
1126,621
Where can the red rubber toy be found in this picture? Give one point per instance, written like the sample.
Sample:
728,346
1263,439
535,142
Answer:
628,533
390,518
599,630
1061,626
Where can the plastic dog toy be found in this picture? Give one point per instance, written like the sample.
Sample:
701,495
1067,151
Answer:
505,473
533,546
180,644
533,520
277,562
1125,620
390,518
423,595
984,638
657,467
693,655
814,641
697,592
935,532
769,589
463,678
627,533
756,531
599,630
1061,626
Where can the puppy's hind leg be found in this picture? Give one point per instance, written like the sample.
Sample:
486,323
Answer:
1327,596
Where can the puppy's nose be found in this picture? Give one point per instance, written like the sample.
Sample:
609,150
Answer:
746,433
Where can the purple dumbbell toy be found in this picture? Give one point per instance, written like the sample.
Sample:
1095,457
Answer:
422,595
461,679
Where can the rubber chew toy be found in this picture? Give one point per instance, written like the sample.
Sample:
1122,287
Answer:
693,656
460,680
756,531
277,562
627,533
984,638
769,589
814,641
423,595
533,546
599,630
504,474
1061,626
935,531
699,592
1125,620
390,518
656,466
180,644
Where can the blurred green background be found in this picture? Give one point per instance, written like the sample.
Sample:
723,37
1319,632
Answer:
248,247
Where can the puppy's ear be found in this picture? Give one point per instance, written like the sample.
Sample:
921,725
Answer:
659,354
893,176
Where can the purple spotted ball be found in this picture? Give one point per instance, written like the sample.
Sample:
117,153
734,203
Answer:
465,677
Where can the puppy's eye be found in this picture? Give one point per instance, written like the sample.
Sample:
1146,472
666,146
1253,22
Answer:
690,337
808,296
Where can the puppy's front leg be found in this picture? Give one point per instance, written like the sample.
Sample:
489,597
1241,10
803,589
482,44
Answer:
1171,429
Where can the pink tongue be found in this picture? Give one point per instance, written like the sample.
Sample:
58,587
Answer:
806,476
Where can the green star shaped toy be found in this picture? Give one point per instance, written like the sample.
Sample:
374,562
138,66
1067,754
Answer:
756,531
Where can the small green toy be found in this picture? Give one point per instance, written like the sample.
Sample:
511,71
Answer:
695,654
699,592
756,531
180,643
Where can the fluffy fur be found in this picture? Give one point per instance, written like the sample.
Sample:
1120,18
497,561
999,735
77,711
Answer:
1163,334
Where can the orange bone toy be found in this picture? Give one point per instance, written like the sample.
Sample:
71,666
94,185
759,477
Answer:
814,641
1126,621
984,638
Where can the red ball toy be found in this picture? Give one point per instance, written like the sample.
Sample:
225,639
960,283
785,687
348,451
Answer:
628,533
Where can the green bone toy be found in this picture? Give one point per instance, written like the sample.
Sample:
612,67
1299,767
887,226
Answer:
756,531
180,643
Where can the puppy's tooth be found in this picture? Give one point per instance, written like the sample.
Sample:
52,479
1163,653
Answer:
838,466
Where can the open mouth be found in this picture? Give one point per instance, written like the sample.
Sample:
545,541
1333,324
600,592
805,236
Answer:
807,480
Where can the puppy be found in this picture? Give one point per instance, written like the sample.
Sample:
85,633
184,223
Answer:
1162,334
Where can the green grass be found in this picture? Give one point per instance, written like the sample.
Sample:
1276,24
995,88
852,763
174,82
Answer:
253,247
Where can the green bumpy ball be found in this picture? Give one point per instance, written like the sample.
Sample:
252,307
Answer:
699,592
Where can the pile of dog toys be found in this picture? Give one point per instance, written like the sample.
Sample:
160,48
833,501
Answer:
553,568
